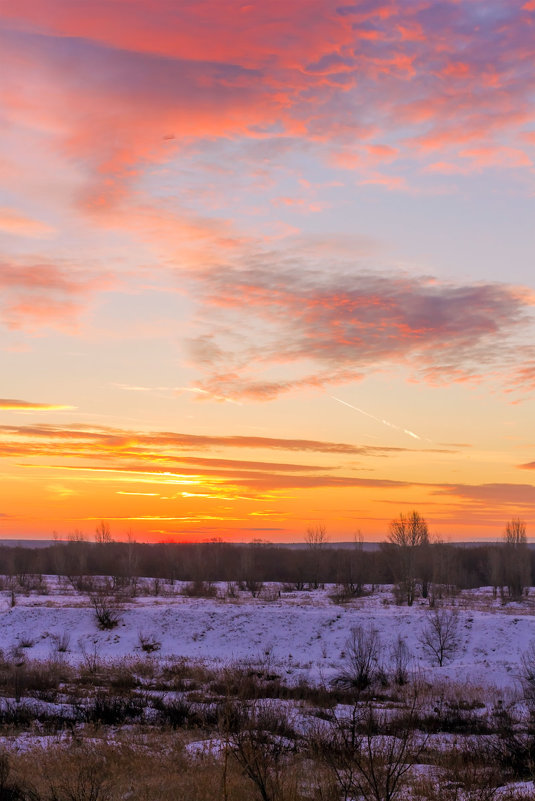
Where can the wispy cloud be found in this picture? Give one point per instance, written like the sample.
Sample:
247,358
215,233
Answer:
12,405
116,440
12,222
515,496
38,295
383,82
354,322
169,459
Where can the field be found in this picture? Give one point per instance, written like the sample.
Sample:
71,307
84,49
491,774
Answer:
202,691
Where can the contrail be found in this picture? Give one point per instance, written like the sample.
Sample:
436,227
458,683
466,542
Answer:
377,419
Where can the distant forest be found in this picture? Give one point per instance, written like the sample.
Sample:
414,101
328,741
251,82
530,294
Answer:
415,565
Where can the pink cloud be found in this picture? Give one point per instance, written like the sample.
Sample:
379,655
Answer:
496,495
354,323
37,295
119,95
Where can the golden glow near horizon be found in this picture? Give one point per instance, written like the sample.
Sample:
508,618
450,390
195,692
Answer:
253,281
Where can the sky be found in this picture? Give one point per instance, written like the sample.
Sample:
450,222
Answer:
266,267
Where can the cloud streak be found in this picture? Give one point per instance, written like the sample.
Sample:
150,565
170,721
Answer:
12,405
101,441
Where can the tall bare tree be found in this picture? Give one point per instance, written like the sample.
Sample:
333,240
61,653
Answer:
516,563
409,536
103,533
316,538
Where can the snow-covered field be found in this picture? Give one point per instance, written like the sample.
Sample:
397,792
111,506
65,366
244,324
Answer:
297,634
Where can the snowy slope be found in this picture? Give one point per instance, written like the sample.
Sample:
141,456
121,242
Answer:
299,634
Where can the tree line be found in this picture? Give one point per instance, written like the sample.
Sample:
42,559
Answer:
408,558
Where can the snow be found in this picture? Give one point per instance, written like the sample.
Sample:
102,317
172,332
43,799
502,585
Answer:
300,635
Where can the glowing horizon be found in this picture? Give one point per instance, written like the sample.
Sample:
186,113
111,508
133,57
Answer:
266,266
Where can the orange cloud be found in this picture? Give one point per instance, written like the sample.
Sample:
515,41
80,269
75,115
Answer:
10,405
169,447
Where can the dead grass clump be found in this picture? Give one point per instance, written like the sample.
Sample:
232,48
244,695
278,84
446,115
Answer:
245,683
42,677
12,789
180,674
454,718
108,709
467,771
193,710
91,770
122,677
19,677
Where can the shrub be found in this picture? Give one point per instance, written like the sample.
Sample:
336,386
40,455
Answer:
148,642
62,642
439,637
361,659
400,659
107,609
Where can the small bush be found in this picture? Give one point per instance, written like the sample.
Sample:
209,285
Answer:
62,642
107,610
148,642
361,660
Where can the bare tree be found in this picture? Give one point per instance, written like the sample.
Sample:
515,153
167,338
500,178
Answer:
516,562
439,637
351,572
251,567
316,538
103,533
409,535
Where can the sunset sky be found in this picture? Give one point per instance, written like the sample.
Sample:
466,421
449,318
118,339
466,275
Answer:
265,266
